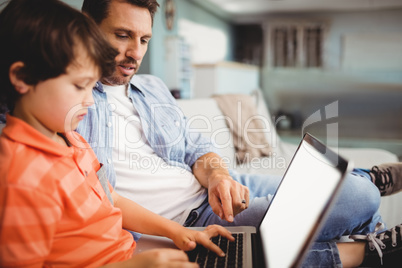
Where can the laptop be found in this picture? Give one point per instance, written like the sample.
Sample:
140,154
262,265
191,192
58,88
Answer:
292,220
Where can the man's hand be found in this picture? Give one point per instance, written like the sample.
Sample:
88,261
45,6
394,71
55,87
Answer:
227,197
188,239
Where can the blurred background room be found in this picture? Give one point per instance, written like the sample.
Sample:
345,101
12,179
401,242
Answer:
304,55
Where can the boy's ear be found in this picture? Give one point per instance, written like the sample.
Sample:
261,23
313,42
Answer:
19,84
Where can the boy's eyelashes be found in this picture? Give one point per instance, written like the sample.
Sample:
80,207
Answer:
90,85
79,87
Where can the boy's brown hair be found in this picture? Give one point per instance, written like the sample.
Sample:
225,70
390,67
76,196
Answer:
44,34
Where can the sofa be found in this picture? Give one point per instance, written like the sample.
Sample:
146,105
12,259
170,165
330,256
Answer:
204,115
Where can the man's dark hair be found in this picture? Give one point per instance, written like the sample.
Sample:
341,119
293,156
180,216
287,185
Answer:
98,9
44,35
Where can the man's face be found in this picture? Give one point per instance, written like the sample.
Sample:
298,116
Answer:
129,29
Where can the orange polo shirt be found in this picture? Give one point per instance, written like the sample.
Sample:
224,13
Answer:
53,210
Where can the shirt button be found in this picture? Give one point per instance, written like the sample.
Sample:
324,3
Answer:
109,124
177,123
112,107
109,161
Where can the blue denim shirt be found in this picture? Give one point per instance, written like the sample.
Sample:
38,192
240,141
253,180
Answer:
163,123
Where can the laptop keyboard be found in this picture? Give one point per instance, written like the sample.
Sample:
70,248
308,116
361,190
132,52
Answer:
233,251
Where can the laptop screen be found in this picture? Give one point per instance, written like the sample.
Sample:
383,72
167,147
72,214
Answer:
300,202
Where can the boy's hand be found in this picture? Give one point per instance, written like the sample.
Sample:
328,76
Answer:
188,239
156,258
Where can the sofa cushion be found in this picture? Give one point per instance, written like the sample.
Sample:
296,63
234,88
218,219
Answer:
204,116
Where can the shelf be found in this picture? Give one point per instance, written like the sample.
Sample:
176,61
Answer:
391,145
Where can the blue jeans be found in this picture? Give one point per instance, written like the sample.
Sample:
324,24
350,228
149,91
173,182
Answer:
355,212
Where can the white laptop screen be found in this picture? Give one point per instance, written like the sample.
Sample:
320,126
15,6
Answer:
303,195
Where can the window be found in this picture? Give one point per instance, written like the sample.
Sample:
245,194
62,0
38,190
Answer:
296,44
313,46
285,46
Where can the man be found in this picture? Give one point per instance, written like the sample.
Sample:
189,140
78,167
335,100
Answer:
136,131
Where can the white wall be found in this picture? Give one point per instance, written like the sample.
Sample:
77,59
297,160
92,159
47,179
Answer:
225,78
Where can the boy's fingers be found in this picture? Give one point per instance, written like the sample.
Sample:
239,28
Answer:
208,244
174,254
190,245
162,258
212,231
215,230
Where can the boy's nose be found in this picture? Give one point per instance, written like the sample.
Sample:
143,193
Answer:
89,100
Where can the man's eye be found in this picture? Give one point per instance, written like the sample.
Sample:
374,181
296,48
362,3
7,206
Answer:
144,41
79,87
121,36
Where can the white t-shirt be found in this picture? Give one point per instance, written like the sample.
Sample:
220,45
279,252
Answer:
141,175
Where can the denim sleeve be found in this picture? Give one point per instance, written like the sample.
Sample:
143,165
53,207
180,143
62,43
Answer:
168,123
195,144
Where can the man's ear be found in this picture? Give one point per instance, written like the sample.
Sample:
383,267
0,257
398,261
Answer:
15,78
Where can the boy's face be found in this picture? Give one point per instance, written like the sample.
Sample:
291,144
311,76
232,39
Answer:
59,104
129,29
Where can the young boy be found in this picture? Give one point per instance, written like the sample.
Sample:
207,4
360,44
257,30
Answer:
55,206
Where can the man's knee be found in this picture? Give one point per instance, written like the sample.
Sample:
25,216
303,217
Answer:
360,196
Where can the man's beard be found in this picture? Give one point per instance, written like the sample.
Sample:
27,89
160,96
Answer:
118,79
